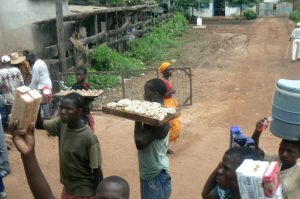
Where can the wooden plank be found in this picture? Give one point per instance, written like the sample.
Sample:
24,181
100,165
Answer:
139,118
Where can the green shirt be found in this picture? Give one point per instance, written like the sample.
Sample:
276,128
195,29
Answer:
153,158
79,154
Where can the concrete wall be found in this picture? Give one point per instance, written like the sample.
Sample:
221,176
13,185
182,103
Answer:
203,12
16,18
209,12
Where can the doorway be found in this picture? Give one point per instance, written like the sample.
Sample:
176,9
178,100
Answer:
219,8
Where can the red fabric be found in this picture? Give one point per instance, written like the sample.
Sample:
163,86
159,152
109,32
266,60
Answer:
169,88
66,195
91,121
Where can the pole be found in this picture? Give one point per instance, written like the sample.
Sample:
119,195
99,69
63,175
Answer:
287,50
60,35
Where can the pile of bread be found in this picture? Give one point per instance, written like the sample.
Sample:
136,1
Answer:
150,109
84,93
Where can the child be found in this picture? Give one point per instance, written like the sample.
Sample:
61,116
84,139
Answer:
288,153
222,182
110,187
79,149
152,144
113,187
81,73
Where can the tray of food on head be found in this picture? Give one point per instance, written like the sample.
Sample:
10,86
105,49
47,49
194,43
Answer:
84,93
152,113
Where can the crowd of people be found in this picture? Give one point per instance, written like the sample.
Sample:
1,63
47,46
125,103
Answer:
80,158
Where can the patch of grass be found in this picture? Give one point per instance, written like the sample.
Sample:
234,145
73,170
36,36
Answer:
97,81
104,58
153,47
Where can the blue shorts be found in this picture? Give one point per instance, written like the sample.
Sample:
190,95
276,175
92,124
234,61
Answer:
159,187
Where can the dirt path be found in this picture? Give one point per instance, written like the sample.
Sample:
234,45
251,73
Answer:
235,68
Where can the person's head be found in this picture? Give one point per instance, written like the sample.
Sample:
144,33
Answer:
113,187
16,58
31,57
232,159
25,52
155,90
166,69
81,73
5,60
71,107
289,152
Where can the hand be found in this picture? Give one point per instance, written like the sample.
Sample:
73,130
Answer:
22,138
262,125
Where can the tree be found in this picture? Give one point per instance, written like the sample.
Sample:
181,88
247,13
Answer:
240,4
184,5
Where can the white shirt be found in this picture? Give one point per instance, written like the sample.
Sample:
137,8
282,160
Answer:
10,79
296,33
40,75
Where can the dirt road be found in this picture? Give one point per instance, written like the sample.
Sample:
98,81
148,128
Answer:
235,68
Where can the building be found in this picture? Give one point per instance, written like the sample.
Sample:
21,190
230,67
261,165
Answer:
17,31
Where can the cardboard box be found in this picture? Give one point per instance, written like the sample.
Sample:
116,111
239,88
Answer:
259,180
25,106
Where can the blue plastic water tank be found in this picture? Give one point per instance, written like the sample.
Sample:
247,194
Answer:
286,110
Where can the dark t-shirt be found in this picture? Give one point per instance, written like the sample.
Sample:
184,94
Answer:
79,154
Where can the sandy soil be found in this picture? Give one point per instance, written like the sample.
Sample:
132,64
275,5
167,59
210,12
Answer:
235,68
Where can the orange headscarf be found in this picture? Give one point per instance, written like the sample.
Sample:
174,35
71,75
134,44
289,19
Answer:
163,67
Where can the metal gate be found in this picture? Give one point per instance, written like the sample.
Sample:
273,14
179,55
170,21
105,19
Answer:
131,85
275,9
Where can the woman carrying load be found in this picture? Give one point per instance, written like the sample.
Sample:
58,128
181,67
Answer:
170,102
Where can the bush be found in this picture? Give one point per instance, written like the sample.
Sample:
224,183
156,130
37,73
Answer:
104,58
250,14
102,81
153,46
295,15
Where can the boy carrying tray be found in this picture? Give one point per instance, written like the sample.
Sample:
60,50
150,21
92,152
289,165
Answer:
152,144
288,153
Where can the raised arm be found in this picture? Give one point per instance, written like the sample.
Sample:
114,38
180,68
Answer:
210,184
24,142
261,126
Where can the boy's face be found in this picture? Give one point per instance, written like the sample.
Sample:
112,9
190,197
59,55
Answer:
80,76
226,176
68,111
111,190
288,154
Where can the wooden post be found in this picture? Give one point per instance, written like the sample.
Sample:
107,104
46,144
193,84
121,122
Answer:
96,24
60,35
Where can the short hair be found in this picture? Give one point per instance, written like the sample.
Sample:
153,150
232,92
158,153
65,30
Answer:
157,85
81,68
31,56
78,100
242,153
119,180
295,144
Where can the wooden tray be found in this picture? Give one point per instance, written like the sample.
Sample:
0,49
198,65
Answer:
139,118
63,93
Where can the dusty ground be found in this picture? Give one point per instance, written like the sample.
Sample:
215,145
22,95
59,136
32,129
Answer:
235,68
